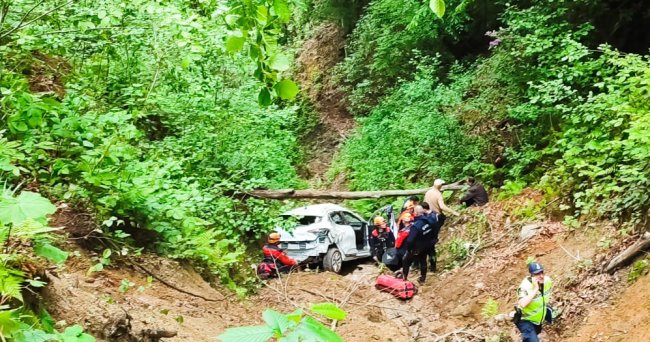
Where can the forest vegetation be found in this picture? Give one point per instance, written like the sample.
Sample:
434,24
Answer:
155,116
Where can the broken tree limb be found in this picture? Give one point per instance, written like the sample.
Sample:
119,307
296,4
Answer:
322,194
628,254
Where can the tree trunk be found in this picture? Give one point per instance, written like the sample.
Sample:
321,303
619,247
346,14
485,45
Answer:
321,194
628,254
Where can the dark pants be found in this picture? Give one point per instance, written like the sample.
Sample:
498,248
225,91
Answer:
470,202
421,258
530,330
432,259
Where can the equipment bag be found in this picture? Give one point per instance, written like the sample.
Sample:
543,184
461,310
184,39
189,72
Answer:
402,289
266,270
390,257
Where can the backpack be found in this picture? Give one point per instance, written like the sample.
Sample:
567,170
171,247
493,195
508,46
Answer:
266,270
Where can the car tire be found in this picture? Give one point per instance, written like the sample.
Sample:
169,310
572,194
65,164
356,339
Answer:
333,260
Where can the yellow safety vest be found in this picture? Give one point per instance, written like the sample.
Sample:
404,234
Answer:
535,311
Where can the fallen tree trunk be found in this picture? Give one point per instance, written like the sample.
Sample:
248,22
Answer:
321,194
628,254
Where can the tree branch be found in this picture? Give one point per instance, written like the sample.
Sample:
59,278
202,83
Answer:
322,194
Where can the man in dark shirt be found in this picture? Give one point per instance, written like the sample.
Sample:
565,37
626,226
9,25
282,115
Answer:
475,195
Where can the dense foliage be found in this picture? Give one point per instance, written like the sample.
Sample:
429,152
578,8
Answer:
145,111
542,99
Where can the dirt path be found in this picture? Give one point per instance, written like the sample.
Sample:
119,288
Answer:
315,61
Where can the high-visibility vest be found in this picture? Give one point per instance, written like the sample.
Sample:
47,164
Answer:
535,311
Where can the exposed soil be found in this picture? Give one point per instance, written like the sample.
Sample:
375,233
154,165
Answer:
315,61
596,307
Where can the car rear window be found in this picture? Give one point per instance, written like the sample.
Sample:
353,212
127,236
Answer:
303,220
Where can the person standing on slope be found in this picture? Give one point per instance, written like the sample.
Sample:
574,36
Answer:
436,202
419,242
533,309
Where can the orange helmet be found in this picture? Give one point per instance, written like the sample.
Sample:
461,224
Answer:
407,217
378,220
274,237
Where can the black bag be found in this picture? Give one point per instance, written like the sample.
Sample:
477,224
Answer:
390,257
517,317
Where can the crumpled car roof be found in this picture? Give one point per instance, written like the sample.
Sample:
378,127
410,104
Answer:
315,210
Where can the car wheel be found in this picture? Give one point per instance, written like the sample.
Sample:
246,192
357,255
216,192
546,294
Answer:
333,260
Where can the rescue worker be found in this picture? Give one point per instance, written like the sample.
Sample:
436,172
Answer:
434,217
407,210
420,240
402,235
533,306
475,195
411,202
381,238
275,258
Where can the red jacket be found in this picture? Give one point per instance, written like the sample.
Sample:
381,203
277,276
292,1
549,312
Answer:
273,253
401,236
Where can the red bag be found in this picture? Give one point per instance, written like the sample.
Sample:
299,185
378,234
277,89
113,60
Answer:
400,288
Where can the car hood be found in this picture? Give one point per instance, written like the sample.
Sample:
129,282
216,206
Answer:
300,233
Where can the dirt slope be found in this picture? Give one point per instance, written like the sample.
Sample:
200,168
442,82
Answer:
315,61
448,307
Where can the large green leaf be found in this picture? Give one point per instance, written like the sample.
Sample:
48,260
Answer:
438,7
50,252
281,8
279,62
9,323
329,310
277,322
75,334
28,205
286,89
234,43
311,330
258,333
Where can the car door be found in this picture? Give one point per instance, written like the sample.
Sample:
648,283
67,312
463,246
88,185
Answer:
343,234
359,228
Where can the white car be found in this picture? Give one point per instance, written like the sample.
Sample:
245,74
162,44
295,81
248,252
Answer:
326,233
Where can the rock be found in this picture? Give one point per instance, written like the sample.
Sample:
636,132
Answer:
463,310
529,230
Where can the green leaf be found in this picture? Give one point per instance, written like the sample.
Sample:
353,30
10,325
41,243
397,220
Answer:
277,321
438,7
231,19
234,44
264,98
262,14
50,252
10,281
258,333
279,62
329,310
28,205
311,330
8,322
286,89
281,8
